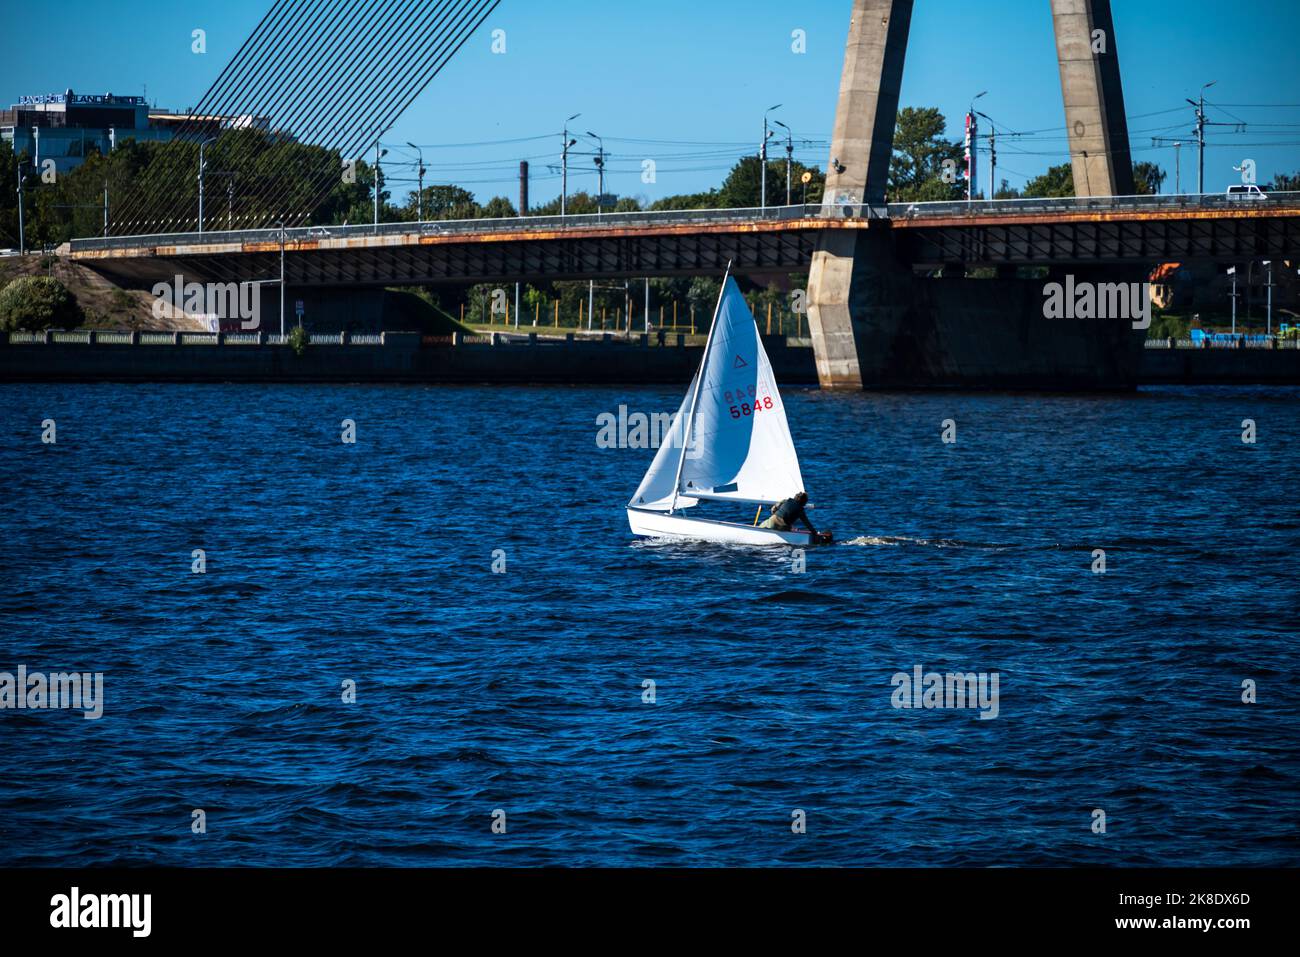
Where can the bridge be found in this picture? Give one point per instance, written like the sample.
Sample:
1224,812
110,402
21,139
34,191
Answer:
1134,230
876,314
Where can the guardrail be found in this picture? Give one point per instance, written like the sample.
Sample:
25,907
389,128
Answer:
831,210
1239,343
93,337
1188,202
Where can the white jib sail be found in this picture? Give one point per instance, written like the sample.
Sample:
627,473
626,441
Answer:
740,446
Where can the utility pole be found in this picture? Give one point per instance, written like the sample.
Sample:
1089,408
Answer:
22,241
1201,124
993,160
379,155
1232,271
600,170
564,165
419,180
647,305
1200,139
762,162
789,161
281,282
105,209
203,165
972,147
1269,288
1178,175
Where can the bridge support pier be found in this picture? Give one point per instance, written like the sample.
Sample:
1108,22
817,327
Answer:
873,322
861,147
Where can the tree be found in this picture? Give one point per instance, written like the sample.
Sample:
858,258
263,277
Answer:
1284,183
740,190
1056,182
707,200
442,202
1147,178
916,169
498,207
38,302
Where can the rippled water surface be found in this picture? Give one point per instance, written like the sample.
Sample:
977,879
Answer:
523,691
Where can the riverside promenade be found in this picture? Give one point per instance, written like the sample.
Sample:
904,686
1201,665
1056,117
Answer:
498,358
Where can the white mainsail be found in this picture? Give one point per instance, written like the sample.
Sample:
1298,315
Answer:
739,441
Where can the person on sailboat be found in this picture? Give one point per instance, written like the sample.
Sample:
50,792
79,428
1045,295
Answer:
788,511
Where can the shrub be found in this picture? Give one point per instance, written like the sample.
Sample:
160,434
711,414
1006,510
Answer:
299,339
37,302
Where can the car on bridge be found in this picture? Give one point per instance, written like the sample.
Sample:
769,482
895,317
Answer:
1245,191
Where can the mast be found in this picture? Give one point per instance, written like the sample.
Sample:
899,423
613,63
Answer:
695,394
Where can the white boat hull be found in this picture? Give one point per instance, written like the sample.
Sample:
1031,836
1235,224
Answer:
662,525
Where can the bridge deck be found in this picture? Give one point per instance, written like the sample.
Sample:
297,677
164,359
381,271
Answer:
1054,231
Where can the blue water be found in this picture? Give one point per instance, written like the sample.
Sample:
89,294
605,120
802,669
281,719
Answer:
523,691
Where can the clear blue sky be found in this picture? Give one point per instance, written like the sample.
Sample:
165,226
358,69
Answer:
686,83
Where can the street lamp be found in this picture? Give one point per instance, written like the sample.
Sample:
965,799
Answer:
280,223
972,147
762,160
203,165
564,165
22,238
419,179
600,168
1269,288
379,155
1199,103
789,160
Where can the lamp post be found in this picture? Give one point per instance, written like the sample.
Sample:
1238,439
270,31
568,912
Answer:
419,180
1232,271
22,239
762,160
1269,289
789,161
282,238
203,165
972,146
993,154
564,165
600,169
1199,103
379,155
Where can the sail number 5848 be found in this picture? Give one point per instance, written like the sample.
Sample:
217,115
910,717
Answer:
746,409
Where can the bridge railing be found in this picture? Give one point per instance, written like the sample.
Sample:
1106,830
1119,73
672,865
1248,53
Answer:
1077,204
691,217
673,217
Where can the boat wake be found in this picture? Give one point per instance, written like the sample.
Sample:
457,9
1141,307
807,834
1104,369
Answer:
898,541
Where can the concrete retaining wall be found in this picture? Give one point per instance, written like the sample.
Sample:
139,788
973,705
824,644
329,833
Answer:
407,357
403,357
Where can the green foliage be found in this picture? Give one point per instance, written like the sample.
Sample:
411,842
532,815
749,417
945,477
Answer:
1165,325
1058,181
37,302
741,188
916,169
707,200
299,339
1147,178
1284,183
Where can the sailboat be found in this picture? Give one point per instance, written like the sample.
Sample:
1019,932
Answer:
730,442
